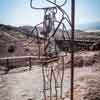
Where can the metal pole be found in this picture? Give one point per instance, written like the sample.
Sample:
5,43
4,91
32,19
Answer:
44,81
72,48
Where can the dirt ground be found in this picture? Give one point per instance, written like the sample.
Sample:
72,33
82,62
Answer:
22,84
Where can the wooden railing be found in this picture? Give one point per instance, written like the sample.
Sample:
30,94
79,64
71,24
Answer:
22,61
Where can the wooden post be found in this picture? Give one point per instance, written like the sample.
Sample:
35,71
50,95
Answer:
30,63
7,66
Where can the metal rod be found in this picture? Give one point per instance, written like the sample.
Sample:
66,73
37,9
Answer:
55,79
54,32
51,83
72,48
44,81
61,93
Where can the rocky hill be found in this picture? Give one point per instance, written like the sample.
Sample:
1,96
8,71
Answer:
14,41
11,40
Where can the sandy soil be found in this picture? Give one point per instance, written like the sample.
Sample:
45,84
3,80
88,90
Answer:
21,86
26,85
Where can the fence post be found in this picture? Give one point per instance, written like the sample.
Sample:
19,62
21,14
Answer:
7,65
30,63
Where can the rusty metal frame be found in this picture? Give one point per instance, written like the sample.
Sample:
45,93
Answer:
72,48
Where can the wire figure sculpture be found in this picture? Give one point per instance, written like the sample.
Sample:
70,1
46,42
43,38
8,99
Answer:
52,77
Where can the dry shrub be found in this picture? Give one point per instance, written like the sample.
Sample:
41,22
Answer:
88,61
78,62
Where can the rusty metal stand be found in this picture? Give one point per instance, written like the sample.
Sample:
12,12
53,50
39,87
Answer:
72,49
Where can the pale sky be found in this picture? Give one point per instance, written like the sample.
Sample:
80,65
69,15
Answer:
18,12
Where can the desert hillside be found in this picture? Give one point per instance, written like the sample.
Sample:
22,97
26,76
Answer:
18,39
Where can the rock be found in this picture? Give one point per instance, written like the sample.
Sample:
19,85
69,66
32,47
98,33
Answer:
88,61
78,62
97,58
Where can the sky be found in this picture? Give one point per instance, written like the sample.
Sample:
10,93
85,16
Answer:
19,13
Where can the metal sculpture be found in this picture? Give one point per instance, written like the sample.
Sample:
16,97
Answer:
52,77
